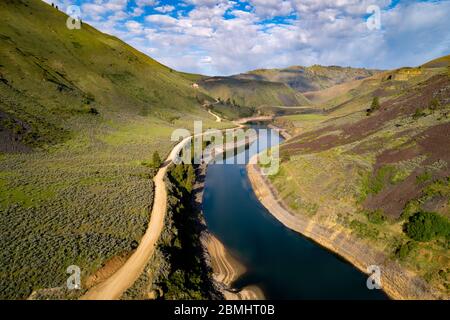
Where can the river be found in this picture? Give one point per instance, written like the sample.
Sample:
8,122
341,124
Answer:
283,263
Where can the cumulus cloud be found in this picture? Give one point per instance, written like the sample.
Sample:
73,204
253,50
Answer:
145,3
165,8
226,37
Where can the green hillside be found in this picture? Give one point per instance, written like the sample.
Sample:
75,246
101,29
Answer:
376,164
355,97
252,93
441,62
81,114
312,78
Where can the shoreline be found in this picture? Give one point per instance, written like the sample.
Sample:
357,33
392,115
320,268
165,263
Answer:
118,282
225,268
397,282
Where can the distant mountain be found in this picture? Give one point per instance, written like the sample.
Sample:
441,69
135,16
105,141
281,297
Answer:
355,96
304,79
252,93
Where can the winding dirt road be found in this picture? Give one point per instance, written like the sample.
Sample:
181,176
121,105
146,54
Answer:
218,119
113,287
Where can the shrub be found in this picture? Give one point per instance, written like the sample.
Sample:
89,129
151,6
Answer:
434,104
156,160
363,230
424,177
418,114
405,249
376,216
426,226
93,111
374,106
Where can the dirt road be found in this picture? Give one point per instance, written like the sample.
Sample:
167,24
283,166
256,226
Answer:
218,119
115,286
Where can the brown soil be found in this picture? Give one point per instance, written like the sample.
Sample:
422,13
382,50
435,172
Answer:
109,268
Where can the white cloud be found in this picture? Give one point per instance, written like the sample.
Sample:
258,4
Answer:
146,3
218,37
272,8
134,27
162,19
165,8
137,12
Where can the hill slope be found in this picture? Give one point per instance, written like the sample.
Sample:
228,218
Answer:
252,93
81,114
312,78
51,75
369,174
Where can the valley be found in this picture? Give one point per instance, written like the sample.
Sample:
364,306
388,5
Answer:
88,175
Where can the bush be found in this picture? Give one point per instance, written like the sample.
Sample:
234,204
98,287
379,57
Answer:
418,114
424,177
93,111
376,216
426,226
374,106
434,104
405,249
156,160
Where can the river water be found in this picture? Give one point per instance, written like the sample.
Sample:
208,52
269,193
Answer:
283,263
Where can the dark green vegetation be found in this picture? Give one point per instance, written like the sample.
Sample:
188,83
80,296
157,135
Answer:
80,111
405,249
156,160
391,163
426,226
187,279
311,78
374,106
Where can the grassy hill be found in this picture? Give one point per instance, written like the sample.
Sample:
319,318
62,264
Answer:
441,62
374,174
252,93
304,79
355,97
81,113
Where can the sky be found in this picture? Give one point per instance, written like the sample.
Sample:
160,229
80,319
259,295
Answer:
222,37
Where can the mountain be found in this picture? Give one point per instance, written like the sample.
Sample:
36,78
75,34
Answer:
252,93
376,166
52,77
81,114
354,96
304,79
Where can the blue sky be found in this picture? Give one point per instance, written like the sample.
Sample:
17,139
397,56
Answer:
222,37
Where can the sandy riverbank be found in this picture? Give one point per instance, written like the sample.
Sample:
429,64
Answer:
225,268
397,282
